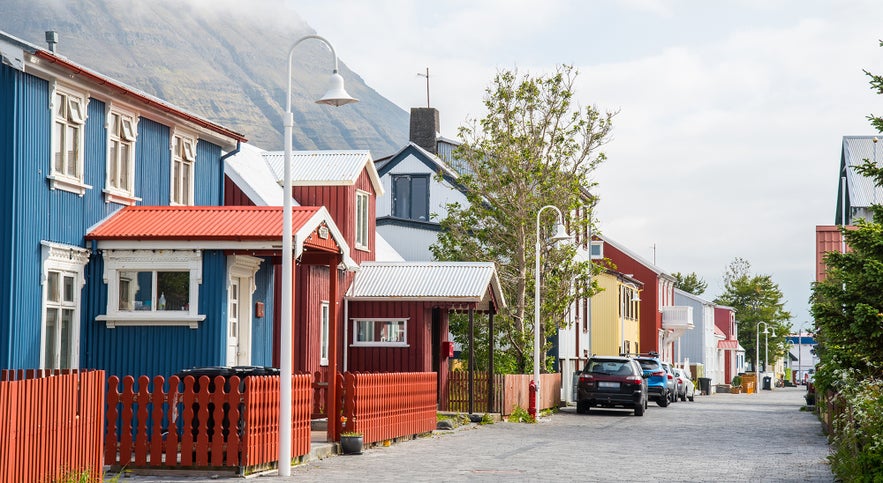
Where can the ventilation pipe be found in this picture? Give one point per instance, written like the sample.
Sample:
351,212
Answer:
52,40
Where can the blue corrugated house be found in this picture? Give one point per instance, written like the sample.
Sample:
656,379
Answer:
77,150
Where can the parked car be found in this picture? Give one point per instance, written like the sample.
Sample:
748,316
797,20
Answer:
612,381
686,388
672,382
657,379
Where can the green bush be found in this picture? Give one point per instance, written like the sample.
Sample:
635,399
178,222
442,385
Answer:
858,430
737,380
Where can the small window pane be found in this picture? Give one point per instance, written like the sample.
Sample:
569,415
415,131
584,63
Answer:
52,288
51,337
76,111
59,147
402,197
136,290
68,289
60,106
420,198
174,290
128,131
67,322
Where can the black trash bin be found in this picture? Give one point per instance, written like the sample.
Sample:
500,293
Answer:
228,372
705,385
767,383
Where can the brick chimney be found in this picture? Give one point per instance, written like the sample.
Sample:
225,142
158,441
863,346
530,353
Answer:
424,128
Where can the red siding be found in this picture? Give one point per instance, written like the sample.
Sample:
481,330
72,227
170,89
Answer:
828,239
233,196
414,358
311,289
651,316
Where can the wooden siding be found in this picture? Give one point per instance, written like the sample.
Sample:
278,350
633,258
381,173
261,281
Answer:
651,317
341,204
605,317
233,196
416,357
311,289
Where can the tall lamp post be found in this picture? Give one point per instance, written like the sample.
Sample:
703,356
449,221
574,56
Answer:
757,354
335,96
560,235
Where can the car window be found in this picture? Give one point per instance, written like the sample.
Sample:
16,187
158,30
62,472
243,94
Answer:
607,367
649,364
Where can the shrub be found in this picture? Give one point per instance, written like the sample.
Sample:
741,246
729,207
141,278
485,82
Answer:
520,415
858,429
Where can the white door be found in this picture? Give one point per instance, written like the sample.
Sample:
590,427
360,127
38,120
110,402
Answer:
233,323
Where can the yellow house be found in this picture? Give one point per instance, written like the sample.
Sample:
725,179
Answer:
616,315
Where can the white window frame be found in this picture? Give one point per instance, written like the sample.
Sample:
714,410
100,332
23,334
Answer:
183,148
116,261
118,135
72,118
382,320
324,322
67,260
361,220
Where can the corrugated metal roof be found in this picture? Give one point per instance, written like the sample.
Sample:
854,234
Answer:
862,191
199,223
451,281
251,172
324,168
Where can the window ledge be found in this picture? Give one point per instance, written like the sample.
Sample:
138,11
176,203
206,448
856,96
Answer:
121,198
134,320
64,183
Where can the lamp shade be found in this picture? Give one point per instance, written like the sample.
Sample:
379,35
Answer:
336,95
560,233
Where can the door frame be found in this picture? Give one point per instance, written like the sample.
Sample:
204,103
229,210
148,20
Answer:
243,267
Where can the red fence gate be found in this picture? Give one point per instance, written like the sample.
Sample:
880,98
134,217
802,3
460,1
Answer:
210,423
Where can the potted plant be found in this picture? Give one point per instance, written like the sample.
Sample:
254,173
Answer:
736,387
351,443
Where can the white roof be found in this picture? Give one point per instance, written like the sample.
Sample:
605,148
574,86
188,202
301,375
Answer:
466,282
325,168
383,251
249,170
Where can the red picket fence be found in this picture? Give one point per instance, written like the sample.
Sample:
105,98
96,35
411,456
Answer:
510,391
204,424
389,405
51,424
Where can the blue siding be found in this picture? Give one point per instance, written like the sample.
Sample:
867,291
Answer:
153,163
9,96
208,176
159,350
262,328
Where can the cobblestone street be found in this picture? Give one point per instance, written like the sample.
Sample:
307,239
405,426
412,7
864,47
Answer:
723,437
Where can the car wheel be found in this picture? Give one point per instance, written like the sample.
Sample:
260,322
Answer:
673,397
692,396
639,409
662,401
684,396
582,407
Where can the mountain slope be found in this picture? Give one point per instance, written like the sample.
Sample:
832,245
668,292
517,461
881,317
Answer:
225,61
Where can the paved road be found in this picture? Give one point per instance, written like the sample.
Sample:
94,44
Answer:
723,437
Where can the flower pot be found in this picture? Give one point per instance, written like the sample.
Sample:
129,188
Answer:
351,444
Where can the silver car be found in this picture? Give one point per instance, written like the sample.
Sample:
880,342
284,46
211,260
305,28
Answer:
685,387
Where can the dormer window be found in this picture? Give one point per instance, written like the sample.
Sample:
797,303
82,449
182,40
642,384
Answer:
410,197
183,161
362,198
68,123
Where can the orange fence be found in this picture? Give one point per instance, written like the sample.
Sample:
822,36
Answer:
221,423
390,405
51,425
510,391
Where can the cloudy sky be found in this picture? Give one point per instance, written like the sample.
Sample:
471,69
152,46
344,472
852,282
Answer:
728,139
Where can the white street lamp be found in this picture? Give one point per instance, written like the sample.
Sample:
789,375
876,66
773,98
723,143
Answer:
757,354
335,96
560,235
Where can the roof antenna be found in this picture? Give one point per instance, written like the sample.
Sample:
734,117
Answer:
427,85
52,40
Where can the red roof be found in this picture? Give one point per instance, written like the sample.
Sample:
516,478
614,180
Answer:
199,223
729,344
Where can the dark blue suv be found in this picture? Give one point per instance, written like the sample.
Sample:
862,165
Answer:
657,379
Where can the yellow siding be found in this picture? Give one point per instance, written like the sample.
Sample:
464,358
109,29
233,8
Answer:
606,320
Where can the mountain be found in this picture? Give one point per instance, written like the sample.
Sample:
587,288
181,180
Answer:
222,60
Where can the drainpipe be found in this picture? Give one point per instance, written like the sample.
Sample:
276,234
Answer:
224,158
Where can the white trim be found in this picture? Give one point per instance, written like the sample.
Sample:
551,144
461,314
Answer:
243,268
367,215
188,159
60,179
324,331
357,343
123,196
65,259
158,260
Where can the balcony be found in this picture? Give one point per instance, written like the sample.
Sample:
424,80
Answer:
677,318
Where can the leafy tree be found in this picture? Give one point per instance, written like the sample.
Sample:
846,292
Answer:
534,147
756,299
690,282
